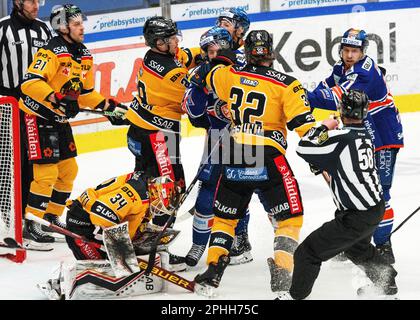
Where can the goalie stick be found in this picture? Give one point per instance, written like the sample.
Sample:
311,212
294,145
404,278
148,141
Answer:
184,196
143,264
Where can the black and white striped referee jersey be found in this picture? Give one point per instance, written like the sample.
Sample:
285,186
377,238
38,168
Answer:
347,155
19,41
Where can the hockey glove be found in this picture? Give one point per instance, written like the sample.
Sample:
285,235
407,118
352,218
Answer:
315,170
224,56
66,104
120,110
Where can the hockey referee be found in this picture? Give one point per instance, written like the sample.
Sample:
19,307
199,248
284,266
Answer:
21,35
347,156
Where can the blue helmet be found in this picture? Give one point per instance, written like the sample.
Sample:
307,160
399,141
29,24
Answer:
237,16
355,38
216,35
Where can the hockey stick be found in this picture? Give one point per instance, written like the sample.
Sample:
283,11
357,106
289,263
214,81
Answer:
405,220
156,270
186,215
102,112
167,275
184,196
31,216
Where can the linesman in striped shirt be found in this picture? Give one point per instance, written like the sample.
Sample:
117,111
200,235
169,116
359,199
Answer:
347,156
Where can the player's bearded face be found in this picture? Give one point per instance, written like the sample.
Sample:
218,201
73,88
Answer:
351,55
77,29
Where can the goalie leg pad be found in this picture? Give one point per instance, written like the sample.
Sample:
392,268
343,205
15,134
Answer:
95,279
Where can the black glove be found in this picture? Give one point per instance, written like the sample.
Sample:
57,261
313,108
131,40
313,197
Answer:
66,104
224,56
120,110
315,170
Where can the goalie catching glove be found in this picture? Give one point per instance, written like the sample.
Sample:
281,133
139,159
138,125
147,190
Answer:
66,104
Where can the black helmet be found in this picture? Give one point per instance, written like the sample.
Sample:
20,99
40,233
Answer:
258,43
354,104
157,28
61,14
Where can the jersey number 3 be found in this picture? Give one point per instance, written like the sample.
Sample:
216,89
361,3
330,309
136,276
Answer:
247,105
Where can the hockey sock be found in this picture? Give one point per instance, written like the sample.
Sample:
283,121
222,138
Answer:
286,241
221,239
383,231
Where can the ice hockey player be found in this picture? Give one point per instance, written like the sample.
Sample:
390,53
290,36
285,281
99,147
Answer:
356,70
206,110
236,21
155,113
347,156
59,80
134,198
262,103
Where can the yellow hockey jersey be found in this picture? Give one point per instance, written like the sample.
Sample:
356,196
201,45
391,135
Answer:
161,87
59,67
120,199
263,103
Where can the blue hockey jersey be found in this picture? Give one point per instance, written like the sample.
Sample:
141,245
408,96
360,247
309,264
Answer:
383,120
206,110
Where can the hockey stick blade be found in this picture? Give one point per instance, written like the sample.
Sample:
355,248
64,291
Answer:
186,215
12,244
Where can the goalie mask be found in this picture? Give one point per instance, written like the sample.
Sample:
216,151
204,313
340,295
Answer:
163,196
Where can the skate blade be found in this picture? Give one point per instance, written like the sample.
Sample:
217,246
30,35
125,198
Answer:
36,246
246,257
373,293
205,290
50,293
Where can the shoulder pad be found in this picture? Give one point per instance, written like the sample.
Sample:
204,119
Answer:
57,46
365,66
86,51
277,75
160,64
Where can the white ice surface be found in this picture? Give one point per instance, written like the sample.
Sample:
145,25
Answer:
251,281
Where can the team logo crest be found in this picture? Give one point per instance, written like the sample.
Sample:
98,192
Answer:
323,137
